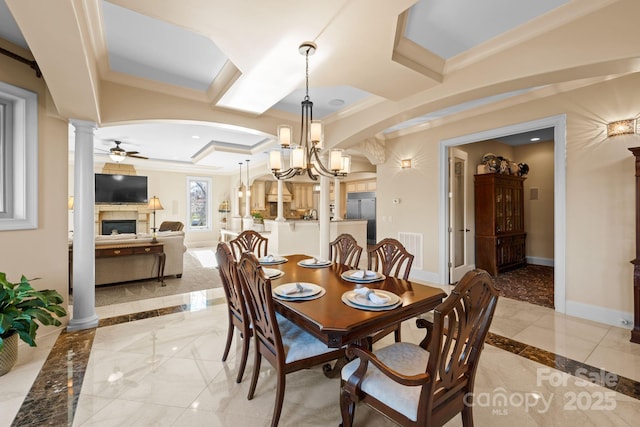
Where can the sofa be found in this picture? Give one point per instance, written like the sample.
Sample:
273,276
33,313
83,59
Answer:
135,267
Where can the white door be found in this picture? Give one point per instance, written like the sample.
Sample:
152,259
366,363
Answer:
459,232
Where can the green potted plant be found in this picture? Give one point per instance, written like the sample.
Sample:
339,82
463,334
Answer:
22,310
257,218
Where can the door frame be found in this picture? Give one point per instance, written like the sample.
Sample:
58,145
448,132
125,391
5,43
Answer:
467,265
559,124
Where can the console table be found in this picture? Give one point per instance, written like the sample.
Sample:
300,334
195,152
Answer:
128,249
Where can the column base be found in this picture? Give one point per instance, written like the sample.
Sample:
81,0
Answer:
81,324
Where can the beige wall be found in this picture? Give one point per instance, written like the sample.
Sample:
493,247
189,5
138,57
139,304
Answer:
41,252
600,185
538,214
171,188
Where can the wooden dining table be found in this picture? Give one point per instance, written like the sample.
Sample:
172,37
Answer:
335,323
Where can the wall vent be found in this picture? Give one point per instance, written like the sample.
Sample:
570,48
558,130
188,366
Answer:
413,243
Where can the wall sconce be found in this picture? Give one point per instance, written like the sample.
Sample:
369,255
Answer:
70,203
621,127
406,164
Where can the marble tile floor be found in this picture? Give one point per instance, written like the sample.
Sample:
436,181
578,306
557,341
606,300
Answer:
157,362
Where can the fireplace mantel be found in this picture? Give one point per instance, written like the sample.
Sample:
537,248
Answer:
114,212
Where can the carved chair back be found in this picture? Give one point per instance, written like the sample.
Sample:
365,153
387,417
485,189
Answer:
252,241
237,308
390,258
345,250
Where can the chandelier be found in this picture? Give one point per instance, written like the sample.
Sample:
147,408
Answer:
305,157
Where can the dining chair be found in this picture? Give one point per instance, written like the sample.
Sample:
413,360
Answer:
390,258
287,347
345,250
237,308
429,383
249,240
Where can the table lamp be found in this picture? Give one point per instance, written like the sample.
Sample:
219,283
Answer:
154,203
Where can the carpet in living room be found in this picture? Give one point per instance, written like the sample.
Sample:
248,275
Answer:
199,274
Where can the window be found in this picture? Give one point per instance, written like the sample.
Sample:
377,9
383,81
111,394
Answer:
198,203
18,158
6,177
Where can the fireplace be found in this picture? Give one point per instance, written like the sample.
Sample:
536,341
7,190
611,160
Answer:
118,226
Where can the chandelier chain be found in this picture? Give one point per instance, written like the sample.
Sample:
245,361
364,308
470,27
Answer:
307,75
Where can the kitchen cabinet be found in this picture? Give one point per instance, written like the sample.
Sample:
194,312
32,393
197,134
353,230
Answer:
361,186
302,196
258,196
499,222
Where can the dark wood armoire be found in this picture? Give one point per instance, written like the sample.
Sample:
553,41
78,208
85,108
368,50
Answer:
499,215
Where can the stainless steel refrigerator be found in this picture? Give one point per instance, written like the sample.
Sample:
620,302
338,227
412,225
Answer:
363,206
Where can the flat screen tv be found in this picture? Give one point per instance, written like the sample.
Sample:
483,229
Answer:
120,189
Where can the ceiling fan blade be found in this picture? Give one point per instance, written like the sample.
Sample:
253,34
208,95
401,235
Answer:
132,152
136,156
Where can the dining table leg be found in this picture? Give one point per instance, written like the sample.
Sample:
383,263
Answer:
334,371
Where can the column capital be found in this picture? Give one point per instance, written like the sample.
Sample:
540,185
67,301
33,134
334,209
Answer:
83,124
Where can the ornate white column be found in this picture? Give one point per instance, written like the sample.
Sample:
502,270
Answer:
247,222
247,202
280,216
324,217
337,199
235,203
84,282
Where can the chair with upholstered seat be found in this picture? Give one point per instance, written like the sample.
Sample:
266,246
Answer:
430,383
345,250
171,226
252,241
286,347
390,258
237,309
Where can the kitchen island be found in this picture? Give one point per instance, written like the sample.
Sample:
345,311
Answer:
303,236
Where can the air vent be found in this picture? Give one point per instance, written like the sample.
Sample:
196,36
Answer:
413,243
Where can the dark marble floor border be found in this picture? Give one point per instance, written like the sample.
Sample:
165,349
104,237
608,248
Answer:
598,376
53,397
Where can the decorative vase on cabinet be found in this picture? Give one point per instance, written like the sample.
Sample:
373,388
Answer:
499,216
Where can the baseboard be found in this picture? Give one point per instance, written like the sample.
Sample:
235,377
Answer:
621,319
548,262
425,276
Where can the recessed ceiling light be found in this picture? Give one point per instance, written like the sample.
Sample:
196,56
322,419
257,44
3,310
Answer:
535,139
195,137
336,102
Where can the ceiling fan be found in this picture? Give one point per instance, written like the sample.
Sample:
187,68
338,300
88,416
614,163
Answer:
118,153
